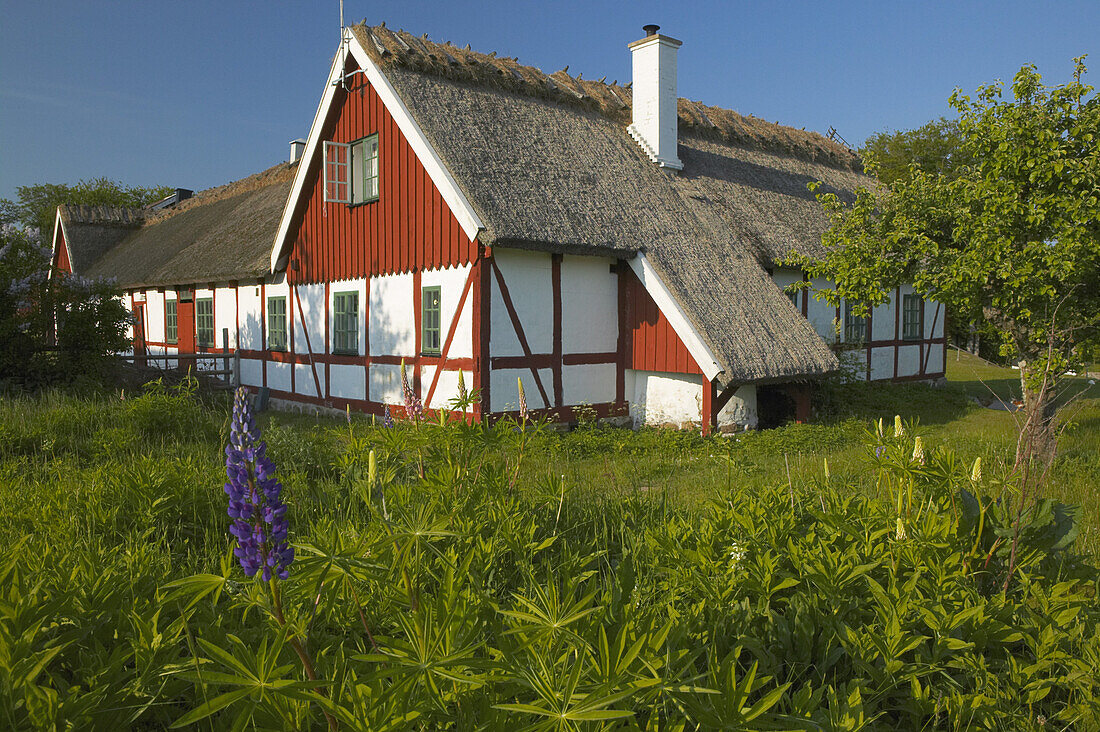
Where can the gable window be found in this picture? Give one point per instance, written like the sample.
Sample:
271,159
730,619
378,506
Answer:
276,323
352,171
171,322
345,330
912,307
204,321
855,326
430,321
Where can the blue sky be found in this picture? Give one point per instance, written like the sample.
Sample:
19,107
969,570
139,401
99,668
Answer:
195,94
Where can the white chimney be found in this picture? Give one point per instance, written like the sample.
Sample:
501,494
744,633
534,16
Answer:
654,126
297,147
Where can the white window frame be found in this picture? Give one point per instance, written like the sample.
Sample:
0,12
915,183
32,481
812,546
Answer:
359,172
337,167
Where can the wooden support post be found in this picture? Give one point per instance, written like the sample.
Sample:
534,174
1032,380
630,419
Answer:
225,354
801,395
710,413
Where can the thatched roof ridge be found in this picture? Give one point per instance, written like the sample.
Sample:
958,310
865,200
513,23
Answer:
80,213
401,49
220,234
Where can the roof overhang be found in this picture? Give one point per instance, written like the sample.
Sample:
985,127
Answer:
448,188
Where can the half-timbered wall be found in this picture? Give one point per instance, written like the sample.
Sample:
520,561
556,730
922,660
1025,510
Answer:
408,227
885,354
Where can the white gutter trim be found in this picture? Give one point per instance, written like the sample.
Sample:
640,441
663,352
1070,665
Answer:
675,315
448,188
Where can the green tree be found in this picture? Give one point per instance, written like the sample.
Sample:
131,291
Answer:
934,148
1012,237
36,206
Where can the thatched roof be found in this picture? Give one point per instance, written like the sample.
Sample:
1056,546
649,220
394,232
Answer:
220,234
548,164
91,231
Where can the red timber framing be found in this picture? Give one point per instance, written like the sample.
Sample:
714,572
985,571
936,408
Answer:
652,343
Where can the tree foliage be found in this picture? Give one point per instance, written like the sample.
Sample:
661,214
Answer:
36,206
1011,237
52,328
934,148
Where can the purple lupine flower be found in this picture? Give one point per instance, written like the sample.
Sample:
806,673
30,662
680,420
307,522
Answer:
387,418
259,515
414,410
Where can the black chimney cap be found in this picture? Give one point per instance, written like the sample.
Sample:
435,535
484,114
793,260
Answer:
651,30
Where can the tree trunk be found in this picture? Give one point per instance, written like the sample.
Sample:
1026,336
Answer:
1037,441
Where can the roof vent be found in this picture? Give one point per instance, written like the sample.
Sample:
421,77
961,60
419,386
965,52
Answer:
655,118
297,148
181,194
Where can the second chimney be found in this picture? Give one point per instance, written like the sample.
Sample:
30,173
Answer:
655,117
297,147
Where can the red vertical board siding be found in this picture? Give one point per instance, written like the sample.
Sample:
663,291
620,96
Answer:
409,227
652,343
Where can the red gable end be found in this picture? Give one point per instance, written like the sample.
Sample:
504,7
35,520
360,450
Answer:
409,227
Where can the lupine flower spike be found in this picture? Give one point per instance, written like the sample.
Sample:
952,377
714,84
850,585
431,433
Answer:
387,418
899,429
255,504
976,471
461,387
918,451
826,469
522,401
413,408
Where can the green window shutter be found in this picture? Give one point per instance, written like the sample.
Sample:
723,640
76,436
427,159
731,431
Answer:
204,321
171,321
912,306
855,326
345,331
430,319
276,323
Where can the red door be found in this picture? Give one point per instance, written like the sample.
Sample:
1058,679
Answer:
139,328
185,327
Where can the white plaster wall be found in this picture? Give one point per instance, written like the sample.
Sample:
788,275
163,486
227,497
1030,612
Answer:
304,382
252,372
348,382
882,323
934,364
447,388
908,360
278,376
822,315
740,410
882,363
250,313
225,314
385,383
527,275
312,301
450,282
504,389
154,316
658,398
933,319
392,321
785,276
587,384
590,306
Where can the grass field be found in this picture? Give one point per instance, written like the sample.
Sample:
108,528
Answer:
629,579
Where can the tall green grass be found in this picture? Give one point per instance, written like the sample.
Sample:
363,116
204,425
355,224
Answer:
606,580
